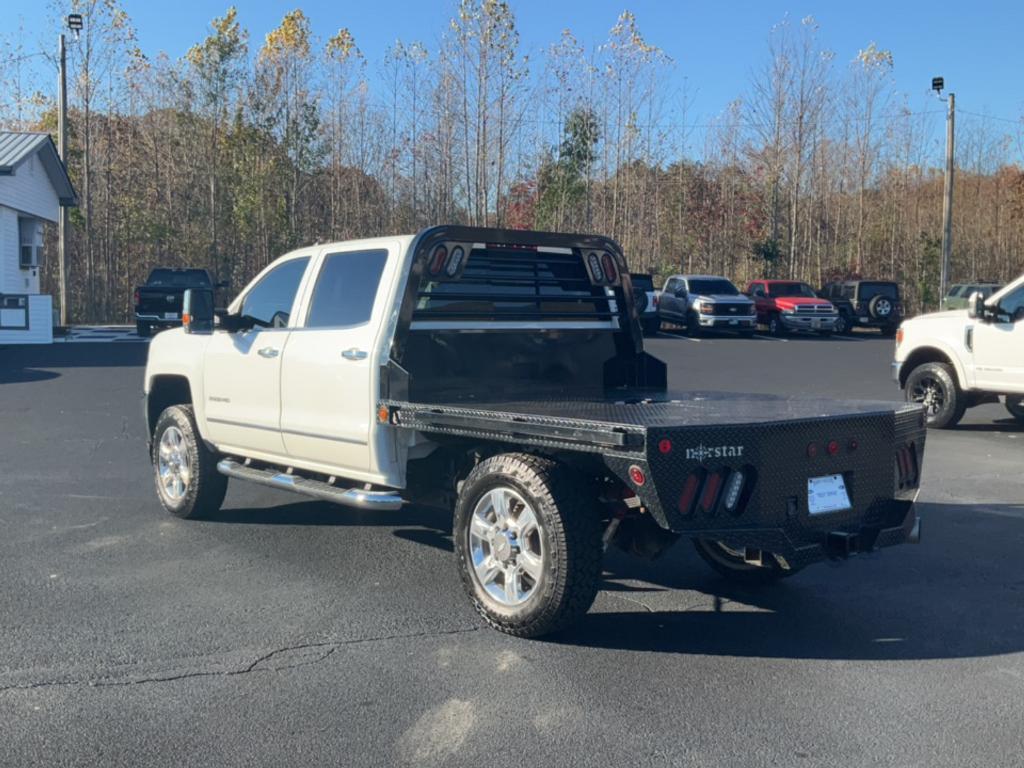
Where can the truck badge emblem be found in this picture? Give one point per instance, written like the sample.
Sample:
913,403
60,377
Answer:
703,452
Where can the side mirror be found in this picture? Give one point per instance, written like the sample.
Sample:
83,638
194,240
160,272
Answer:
681,293
197,310
976,306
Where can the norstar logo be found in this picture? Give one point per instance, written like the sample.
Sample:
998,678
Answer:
704,452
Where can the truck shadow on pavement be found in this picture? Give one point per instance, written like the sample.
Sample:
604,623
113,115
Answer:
422,525
960,594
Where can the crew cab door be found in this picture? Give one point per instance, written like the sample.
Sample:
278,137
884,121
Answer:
329,377
998,346
242,369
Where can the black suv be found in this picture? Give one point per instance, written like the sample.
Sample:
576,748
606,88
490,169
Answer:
866,303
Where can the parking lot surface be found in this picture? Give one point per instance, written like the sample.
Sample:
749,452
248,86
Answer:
291,632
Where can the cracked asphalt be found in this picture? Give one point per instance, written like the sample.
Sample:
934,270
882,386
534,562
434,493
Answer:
290,632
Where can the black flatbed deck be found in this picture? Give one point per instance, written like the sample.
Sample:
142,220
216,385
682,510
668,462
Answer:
621,420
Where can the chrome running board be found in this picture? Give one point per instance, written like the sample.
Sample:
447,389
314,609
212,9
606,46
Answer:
350,497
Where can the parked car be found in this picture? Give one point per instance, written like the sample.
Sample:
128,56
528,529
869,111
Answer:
411,368
866,304
959,293
158,302
789,305
646,299
954,360
706,302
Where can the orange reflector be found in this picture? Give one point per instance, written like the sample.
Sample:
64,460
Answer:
383,414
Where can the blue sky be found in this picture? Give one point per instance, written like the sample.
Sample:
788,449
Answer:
715,45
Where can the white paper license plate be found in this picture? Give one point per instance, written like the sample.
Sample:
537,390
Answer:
827,494
816,323
864,319
170,315
734,322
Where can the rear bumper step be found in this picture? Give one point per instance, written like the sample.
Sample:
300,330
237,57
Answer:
350,497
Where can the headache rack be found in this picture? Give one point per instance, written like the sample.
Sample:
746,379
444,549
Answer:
492,310
505,283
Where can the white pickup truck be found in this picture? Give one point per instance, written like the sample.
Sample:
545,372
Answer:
503,374
952,361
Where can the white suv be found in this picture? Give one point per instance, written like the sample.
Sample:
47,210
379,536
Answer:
952,361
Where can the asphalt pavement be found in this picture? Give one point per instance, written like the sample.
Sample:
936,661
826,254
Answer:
287,632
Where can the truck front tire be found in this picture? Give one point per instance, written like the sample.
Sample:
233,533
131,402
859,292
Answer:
528,544
185,470
934,386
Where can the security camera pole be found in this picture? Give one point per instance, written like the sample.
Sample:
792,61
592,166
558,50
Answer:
947,201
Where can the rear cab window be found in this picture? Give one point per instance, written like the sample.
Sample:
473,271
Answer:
346,289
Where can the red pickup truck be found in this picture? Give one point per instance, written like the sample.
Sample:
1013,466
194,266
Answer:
789,305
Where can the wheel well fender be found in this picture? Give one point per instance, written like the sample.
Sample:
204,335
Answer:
165,390
931,354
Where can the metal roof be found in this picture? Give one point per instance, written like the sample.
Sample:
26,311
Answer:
16,147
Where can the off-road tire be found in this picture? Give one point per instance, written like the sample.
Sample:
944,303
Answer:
207,487
735,569
571,539
1015,407
842,325
889,331
948,413
143,330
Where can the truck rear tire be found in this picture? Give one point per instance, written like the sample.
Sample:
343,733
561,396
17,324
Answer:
730,564
185,470
934,386
528,544
142,329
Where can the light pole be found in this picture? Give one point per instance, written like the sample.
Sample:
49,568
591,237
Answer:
947,198
74,23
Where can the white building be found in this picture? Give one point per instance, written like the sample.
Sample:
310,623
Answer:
34,184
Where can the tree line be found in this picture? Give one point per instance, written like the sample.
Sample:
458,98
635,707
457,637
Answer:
242,150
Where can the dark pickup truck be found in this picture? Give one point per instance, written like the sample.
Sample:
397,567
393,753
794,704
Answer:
502,374
158,302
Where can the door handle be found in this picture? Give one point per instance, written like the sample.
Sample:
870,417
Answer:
268,352
354,354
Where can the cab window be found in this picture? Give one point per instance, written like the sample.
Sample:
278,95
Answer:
1011,305
346,288
269,302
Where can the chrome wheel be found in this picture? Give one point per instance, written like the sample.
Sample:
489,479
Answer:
929,392
506,547
174,464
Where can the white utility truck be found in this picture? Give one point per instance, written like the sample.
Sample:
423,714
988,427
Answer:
955,360
503,374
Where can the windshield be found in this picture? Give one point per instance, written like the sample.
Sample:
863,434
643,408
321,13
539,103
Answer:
889,290
178,278
791,289
710,285
642,282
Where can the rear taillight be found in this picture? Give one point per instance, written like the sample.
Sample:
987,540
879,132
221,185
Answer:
689,494
136,296
709,498
438,260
